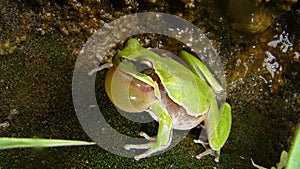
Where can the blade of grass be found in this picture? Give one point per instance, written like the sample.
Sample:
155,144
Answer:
7,143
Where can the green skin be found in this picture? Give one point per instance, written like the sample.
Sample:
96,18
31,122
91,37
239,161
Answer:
178,98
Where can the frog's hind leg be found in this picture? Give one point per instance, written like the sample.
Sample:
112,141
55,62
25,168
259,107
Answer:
218,127
201,70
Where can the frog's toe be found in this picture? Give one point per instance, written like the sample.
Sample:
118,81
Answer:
145,154
152,148
137,146
141,146
203,143
143,134
209,152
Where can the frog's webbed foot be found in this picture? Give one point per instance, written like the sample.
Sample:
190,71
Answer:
153,146
208,150
148,146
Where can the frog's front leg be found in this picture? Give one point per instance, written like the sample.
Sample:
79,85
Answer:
164,134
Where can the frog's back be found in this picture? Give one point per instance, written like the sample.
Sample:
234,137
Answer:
183,86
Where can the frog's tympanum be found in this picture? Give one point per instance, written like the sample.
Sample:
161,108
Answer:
176,96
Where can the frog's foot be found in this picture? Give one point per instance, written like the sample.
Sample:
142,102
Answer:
152,147
208,151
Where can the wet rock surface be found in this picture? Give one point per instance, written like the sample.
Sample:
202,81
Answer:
41,39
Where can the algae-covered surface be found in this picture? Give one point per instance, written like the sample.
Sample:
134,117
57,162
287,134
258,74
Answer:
40,41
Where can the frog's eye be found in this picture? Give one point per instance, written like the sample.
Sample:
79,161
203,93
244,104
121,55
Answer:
147,63
144,66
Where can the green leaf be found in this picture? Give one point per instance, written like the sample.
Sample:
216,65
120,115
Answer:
294,153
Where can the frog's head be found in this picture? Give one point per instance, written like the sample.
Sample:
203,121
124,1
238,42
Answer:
134,58
132,46
122,86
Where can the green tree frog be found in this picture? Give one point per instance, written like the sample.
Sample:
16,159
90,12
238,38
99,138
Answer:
176,96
